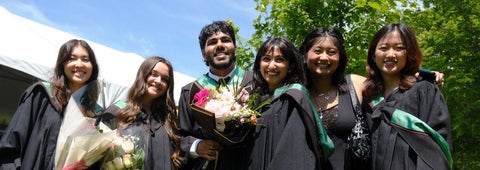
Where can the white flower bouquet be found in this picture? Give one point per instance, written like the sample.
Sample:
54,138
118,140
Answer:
80,143
128,150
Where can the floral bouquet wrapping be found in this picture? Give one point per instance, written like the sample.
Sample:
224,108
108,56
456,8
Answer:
227,113
127,150
80,143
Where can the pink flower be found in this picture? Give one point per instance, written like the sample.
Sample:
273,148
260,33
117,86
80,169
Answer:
231,106
201,97
243,96
76,165
254,119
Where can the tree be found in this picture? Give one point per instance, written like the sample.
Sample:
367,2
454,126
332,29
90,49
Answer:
448,32
357,20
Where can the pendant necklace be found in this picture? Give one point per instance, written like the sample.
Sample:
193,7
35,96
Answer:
326,97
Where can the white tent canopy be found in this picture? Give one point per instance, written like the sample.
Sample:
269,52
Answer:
28,52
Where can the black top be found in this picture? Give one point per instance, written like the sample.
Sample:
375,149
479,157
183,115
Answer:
390,149
339,121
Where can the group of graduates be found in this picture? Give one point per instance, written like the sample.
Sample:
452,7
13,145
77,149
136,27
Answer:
306,124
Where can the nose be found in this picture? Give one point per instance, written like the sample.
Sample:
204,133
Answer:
158,79
271,65
391,52
323,56
78,62
220,45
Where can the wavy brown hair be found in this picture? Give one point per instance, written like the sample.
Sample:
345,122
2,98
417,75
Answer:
163,106
60,83
374,83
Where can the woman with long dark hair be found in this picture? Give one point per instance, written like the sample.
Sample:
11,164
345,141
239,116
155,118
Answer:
150,107
410,122
30,140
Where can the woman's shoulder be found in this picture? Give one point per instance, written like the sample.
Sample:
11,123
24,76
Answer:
38,87
294,92
114,107
38,91
358,83
424,87
295,89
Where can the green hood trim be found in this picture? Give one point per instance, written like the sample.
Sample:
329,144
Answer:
411,122
327,144
209,83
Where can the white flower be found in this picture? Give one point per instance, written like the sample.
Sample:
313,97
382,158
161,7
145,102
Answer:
220,123
117,163
118,141
128,146
127,160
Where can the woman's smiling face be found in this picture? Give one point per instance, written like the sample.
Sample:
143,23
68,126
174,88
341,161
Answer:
78,69
390,54
323,58
274,68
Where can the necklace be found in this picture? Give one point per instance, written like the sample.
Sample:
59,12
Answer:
325,96
326,100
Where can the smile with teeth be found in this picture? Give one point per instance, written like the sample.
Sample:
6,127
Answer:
221,53
272,73
392,61
323,64
78,73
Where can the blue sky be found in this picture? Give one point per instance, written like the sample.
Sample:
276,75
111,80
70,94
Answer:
168,28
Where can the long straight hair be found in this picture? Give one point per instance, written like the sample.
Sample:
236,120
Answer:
295,73
60,83
321,34
374,83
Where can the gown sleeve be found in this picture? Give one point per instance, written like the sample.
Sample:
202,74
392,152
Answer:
428,103
21,140
282,140
187,130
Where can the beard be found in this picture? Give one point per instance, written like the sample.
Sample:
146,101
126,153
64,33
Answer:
220,66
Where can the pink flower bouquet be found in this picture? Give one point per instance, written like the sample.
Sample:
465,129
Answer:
227,113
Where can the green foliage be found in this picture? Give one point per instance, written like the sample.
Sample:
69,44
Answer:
357,20
448,33
245,53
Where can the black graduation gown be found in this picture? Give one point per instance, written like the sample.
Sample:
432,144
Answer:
159,149
286,136
230,157
390,150
30,138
